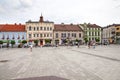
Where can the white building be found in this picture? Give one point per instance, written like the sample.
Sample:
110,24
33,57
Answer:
12,32
39,30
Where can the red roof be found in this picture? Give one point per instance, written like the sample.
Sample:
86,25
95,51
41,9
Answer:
67,27
12,27
93,26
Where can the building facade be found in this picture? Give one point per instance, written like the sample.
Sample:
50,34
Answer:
39,30
10,32
91,31
67,32
108,34
117,32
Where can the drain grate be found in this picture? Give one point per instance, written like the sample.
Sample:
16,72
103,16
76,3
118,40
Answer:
3,61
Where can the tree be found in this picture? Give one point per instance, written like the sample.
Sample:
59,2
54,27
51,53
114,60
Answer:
12,42
1,42
7,43
97,39
24,41
47,41
77,40
36,42
86,40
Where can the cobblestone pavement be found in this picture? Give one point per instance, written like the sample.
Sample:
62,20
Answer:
67,63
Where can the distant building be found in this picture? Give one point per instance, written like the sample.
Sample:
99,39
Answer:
12,32
67,32
108,34
40,30
91,31
117,31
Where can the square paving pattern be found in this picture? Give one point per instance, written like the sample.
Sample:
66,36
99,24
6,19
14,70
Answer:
61,63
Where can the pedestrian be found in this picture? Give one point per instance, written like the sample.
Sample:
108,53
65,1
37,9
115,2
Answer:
89,44
31,47
78,44
94,43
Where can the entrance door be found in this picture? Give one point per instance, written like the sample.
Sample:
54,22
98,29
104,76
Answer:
41,42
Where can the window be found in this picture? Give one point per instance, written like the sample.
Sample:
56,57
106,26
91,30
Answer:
29,35
22,36
74,34
68,34
98,33
48,28
34,28
34,35
44,28
47,35
89,33
56,35
30,28
40,35
37,35
41,28
117,28
37,28
92,33
64,34
44,35
51,35
117,33
80,35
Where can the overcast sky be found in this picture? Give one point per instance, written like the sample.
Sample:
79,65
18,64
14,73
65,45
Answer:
101,12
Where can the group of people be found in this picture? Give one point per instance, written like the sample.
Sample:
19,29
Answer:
91,43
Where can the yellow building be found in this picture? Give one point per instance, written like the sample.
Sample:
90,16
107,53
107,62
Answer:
39,30
117,31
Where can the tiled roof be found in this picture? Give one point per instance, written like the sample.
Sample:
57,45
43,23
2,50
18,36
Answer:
12,27
93,26
67,27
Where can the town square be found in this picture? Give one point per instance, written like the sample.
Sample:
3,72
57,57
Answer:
59,39
64,62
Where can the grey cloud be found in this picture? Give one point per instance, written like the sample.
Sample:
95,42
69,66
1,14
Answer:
14,5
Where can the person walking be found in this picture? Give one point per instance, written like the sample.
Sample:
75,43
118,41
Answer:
31,46
94,43
89,44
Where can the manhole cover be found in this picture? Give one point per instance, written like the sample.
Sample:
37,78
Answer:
3,61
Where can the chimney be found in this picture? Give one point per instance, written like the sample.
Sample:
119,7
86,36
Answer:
62,24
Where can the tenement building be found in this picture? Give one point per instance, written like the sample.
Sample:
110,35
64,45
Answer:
67,32
117,31
14,32
92,32
108,34
40,30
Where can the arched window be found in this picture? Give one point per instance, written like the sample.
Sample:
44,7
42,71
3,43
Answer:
30,28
